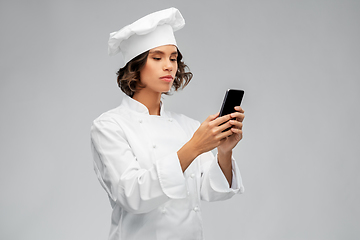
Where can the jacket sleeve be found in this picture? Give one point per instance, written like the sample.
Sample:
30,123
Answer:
214,186
136,189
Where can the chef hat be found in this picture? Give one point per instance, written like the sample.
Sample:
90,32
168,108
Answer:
153,30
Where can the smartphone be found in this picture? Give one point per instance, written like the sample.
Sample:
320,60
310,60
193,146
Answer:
233,97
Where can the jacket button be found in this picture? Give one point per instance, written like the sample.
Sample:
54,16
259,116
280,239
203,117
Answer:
163,211
154,146
192,175
196,209
140,121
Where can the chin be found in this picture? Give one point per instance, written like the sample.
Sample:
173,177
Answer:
166,90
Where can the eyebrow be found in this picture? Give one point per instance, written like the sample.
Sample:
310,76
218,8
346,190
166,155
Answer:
161,52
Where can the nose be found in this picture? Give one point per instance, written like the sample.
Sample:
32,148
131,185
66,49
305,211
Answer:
168,66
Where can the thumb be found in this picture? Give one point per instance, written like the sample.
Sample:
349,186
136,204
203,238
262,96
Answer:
213,117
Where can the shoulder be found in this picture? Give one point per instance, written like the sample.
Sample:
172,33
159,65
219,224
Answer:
108,116
111,118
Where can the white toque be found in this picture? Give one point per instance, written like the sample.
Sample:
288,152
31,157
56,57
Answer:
153,30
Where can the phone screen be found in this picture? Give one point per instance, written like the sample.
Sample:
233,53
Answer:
233,97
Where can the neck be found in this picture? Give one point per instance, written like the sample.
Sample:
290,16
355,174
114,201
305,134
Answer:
150,100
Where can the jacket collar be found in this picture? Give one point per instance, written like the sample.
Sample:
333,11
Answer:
138,107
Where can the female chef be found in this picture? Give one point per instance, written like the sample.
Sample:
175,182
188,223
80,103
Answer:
156,165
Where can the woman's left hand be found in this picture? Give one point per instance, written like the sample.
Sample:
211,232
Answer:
232,140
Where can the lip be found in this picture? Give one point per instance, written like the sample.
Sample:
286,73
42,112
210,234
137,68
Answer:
167,78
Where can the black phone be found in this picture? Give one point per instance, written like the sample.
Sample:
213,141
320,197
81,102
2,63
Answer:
233,97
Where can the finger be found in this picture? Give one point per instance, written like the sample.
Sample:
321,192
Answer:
225,134
212,117
222,119
236,124
237,131
239,109
224,126
239,116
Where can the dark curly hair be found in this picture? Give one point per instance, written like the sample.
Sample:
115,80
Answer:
129,76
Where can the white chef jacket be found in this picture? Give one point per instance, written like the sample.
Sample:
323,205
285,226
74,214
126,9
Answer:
136,162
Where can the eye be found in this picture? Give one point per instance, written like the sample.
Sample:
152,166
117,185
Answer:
156,58
173,59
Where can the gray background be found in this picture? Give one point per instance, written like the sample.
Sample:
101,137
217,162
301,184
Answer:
298,62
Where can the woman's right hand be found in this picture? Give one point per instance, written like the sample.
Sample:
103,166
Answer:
211,133
207,137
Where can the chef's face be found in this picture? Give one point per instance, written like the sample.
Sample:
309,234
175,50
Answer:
160,68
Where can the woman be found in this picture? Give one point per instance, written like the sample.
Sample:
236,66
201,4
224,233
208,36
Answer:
155,165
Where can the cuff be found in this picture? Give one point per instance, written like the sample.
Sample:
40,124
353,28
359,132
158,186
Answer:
171,177
218,181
